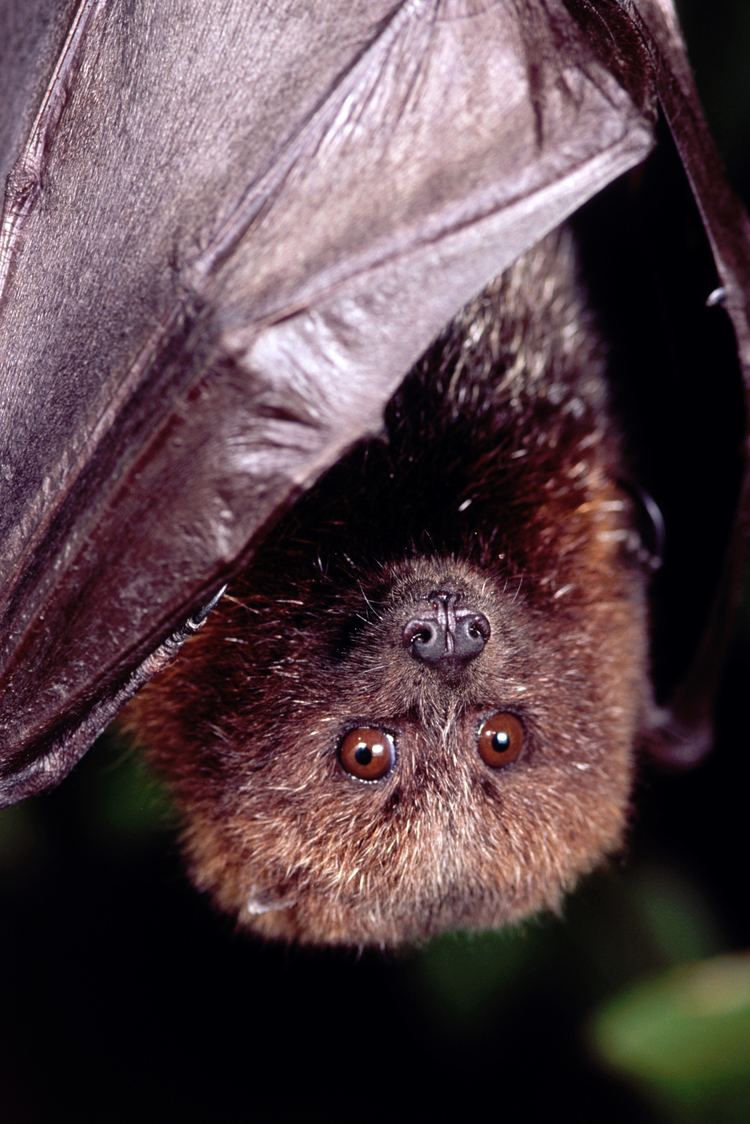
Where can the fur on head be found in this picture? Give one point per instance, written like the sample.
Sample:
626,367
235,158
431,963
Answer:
493,495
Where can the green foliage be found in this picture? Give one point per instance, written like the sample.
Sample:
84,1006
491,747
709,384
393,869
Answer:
466,978
685,1037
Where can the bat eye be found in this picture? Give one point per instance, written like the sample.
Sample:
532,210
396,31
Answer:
500,739
367,753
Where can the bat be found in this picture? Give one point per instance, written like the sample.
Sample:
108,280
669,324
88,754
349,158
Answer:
272,230
416,708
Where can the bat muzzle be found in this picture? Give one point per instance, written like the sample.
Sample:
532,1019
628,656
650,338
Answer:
447,635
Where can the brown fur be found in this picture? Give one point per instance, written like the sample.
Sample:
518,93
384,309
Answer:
497,473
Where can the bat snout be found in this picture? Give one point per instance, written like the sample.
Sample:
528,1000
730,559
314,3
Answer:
446,635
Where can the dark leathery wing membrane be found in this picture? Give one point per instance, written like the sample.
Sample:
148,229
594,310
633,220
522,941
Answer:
226,238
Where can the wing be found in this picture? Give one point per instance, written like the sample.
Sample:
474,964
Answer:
227,235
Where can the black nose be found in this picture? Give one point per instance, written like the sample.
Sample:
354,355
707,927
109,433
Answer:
447,634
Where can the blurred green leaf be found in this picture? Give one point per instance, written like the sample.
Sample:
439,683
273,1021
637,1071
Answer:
466,975
113,799
674,915
130,804
686,1036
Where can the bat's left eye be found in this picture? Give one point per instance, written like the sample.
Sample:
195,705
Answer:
500,739
367,753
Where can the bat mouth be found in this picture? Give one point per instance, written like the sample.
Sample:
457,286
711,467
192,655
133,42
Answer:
326,922
262,902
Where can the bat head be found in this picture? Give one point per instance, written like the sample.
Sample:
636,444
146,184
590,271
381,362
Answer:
442,747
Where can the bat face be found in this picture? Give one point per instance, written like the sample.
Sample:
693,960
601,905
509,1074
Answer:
417,708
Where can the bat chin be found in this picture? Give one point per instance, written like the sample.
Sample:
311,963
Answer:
319,921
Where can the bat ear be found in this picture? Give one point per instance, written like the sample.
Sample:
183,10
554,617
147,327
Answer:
681,731
676,746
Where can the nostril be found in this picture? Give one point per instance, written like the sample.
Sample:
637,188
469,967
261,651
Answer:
417,630
425,639
472,633
478,625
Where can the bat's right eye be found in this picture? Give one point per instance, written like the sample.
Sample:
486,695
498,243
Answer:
367,753
500,739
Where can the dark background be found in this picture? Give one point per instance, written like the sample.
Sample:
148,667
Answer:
126,997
